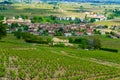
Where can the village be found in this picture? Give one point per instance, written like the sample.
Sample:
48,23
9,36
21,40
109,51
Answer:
49,29
59,39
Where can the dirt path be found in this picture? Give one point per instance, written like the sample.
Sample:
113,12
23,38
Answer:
106,63
111,64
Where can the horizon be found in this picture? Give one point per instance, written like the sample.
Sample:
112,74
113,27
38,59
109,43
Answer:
62,0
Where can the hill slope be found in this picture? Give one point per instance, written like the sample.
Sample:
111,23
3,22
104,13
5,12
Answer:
39,62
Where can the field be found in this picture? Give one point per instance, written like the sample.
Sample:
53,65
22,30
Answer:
24,61
108,23
65,9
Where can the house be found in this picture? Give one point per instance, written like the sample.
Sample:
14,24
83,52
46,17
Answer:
102,32
97,17
67,34
59,41
79,33
89,31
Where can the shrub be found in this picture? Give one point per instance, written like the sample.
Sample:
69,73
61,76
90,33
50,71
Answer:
30,38
110,50
18,34
86,43
83,44
59,45
2,30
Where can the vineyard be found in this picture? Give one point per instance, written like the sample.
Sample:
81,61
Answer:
23,61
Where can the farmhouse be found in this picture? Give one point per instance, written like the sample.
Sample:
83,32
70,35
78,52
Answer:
61,41
68,34
57,40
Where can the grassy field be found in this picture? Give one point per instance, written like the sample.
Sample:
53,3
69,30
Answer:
44,9
108,23
108,42
20,60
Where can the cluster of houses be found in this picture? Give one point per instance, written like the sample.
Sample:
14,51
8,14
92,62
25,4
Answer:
97,17
50,29
66,30
112,31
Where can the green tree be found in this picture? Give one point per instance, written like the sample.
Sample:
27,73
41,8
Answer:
92,20
16,17
96,43
81,8
1,17
86,17
83,43
77,20
111,16
25,27
105,12
2,30
14,25
18,33
24,16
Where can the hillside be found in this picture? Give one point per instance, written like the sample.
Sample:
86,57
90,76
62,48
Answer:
31,61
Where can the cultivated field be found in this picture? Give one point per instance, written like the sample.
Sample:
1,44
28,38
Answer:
65,9
23,61
108,23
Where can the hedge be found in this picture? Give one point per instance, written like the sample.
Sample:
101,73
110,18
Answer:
108,49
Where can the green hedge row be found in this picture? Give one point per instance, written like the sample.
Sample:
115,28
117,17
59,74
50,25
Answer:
108,49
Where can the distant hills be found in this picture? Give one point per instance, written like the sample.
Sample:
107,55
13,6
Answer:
95,1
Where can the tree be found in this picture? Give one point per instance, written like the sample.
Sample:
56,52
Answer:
14,25
81,8
1,17
2,30
111,16
25,27
38,19
83,43
96,43
24,16
16,17
77,20
92,20
18,33
105,12
45,32
86,17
